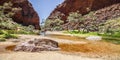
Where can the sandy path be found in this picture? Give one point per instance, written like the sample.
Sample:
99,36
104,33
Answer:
42,56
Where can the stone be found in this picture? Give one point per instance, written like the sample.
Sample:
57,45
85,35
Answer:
38,45
94,38
27,16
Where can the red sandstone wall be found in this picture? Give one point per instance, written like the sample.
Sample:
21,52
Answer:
27,16
83,6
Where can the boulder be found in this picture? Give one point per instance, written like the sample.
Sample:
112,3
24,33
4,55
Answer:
38,45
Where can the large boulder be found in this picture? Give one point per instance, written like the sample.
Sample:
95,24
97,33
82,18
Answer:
37,45
27,16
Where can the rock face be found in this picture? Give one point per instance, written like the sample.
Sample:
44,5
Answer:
83,6
96,18
27,16
38,45
107,13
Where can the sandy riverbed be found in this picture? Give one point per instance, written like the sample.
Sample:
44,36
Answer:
59,55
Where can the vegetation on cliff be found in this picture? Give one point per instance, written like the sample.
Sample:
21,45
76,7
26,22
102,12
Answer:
8,28
53,24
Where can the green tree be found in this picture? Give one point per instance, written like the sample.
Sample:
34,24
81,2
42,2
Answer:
55,24
75,21
110,26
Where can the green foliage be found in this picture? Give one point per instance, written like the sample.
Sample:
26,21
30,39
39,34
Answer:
111,28
6,35
89,23
53,24
6,12
86,23
9,28
7,23
75,17
110,39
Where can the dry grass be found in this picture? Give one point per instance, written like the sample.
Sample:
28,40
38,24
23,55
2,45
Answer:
96,47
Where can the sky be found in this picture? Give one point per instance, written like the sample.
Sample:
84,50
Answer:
45,7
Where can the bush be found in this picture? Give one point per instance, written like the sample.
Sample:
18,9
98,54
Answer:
55,24
75,17
84,23
7,36
73,21
111,28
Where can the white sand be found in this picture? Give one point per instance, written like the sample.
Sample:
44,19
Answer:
42,56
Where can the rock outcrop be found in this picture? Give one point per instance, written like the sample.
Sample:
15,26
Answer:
96,18
107,13
83,6
27,16
38,45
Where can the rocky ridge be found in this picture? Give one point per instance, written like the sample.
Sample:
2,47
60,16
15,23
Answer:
27,16
83,6
98,17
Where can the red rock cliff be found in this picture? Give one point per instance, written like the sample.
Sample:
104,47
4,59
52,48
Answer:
27,16
83,6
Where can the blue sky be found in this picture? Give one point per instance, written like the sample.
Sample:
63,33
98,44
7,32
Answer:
45,7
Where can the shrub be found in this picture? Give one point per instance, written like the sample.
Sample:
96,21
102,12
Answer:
55,24
111,28
74,19
7,36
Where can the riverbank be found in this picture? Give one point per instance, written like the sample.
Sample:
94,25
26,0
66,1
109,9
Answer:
70,49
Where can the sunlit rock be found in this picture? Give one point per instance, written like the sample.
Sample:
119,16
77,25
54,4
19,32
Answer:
94,38
38,45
